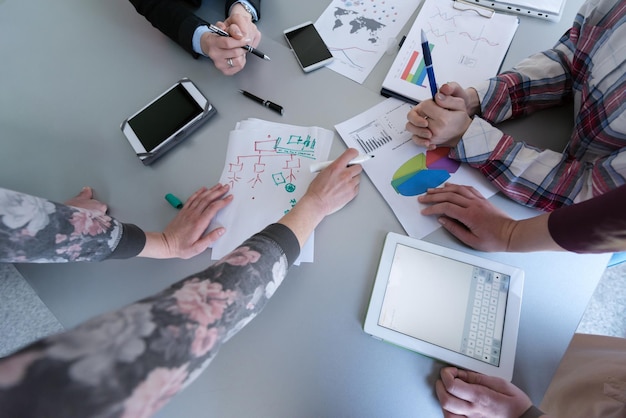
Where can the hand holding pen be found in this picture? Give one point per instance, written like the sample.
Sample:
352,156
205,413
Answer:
249,48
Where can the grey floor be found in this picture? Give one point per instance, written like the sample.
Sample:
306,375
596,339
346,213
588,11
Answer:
606,313
25,318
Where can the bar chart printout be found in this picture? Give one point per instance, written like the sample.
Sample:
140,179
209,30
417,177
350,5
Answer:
371,136
415,70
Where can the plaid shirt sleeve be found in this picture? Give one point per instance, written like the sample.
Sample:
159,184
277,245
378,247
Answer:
588,65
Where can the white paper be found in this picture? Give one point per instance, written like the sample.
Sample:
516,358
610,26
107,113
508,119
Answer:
267,168
380,131
359,32
465,47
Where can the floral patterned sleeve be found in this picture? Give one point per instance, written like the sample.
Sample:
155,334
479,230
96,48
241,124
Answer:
130,362
36,230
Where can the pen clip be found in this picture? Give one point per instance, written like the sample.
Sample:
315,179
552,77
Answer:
464,6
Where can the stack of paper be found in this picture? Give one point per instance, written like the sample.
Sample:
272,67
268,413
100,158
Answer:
267,168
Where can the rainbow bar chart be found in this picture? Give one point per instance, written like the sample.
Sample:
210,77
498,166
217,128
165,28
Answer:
415,71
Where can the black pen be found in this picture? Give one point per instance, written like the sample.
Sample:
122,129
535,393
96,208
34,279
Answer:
256,52
275,107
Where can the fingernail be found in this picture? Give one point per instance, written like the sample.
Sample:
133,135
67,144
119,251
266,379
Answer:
440,96
442,220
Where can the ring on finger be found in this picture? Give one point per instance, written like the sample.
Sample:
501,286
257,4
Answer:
229,61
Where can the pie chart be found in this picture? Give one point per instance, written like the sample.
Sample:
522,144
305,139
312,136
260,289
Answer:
424,171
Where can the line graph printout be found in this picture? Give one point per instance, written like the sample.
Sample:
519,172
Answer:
267,168
359,32
465,47
402,170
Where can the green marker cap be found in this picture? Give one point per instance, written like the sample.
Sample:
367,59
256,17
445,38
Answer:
174,201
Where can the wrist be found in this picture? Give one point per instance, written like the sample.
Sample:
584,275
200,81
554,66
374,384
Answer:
473,103
304,217
531,234
157,246
244,9
313,207
198,37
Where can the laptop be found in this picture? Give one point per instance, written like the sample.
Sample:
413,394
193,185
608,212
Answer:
543,9
446,304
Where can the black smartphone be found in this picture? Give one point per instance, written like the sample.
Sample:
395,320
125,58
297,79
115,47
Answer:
308,46
167,120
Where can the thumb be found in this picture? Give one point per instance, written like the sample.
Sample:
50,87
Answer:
451,89
494,383
450,102
85,193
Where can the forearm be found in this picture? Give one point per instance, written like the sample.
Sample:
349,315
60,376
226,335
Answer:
593,226
533,177
532,235
113,362
303,218
34,229
538,82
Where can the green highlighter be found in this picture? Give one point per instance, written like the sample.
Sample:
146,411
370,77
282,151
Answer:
174,201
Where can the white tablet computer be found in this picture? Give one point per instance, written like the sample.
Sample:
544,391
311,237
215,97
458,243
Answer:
446,304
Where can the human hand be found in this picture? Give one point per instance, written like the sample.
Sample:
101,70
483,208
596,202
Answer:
184,236
337,184
240,25
469,96
463,393
330,191
467,215
442,122
226,52
85,200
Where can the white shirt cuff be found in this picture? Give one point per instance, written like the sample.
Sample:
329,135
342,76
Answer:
195,40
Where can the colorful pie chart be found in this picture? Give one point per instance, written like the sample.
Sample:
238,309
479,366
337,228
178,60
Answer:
424,171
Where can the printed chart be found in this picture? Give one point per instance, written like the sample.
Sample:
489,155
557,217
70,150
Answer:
359,32
465,47
402,170
424,171
414,71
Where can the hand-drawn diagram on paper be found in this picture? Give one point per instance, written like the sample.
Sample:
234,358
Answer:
267,168
358,32
278,160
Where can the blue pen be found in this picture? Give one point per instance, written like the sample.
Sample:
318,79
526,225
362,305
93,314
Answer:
428,61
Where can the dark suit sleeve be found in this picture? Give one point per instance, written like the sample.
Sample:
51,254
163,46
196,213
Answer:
176,18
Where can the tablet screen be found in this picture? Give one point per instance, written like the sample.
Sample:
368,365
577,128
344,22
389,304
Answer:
446,302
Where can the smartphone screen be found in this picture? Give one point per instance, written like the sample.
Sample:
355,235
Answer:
164,117
308,45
